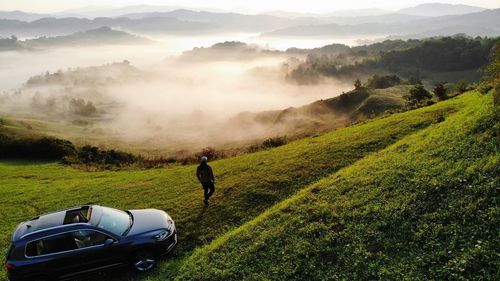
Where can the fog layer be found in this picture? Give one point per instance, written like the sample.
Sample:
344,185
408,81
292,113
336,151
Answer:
157,102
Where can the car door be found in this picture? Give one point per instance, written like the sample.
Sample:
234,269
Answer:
98,251
54,255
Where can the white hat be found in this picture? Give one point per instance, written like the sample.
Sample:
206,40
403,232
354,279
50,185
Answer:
204,159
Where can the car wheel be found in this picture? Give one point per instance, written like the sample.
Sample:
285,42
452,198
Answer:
144,261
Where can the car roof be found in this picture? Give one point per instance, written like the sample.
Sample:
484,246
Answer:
44,222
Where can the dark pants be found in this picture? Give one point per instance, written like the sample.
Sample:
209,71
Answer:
209,189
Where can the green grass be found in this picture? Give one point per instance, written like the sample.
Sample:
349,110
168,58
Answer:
246,185
381,100
425,208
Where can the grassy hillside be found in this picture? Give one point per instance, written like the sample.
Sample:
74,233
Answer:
329,114
246,185
425,208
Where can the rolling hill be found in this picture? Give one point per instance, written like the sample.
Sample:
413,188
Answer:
329,114
246,185
422,208
93,37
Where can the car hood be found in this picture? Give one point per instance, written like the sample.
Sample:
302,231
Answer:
148,220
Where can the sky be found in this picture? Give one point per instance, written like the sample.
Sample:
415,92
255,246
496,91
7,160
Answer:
314,6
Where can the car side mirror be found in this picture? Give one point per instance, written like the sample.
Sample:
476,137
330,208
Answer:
109,242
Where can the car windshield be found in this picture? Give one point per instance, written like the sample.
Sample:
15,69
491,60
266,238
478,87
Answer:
115,221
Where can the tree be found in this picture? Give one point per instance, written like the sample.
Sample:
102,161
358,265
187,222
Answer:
418,94
440,91
492,70
462,86
357,84
491,79
78,106
382,82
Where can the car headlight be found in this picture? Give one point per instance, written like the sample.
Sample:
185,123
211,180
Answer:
162,235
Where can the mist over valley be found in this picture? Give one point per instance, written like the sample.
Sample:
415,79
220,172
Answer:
180,80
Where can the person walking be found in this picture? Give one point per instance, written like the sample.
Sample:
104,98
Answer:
205,175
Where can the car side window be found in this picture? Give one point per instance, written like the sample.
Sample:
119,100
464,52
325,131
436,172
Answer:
51,245
34,248
88,238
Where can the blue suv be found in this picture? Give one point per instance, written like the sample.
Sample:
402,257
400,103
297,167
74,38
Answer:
86,239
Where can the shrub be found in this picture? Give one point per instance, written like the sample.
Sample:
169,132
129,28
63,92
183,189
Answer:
44,148
418,94
118,158
440,92
88,154
357,84
210,153
462,86
190,160
93,155
47,148
268,143
274,142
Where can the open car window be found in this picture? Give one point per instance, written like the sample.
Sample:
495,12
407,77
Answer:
89,238
77,216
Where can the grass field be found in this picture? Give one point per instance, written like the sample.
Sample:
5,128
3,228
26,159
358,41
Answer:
425,208
249,185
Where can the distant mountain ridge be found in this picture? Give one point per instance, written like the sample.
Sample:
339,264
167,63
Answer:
440,9
385,18
174,22
20,15
485,23
339,13
90,12
66,26
100,36
359,12
190,22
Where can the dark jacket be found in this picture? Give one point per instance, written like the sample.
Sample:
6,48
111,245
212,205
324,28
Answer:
204,173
